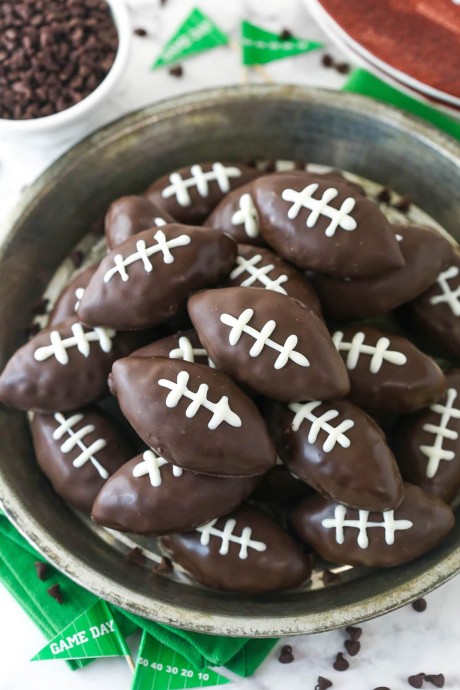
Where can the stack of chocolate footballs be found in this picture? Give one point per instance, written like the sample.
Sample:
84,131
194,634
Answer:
263,423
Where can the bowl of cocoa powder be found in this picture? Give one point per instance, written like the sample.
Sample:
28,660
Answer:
59,59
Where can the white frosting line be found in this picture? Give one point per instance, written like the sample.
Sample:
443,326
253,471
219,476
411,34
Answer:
449,296
187,352
339,217
227,537
304,411
379,353
152,465
76,438
258,273
435,453
247,215
179,187
389,524
80,339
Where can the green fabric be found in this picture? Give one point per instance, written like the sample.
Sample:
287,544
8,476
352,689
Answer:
367,84
17,572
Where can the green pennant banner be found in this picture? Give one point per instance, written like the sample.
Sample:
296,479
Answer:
161,668
92,634
260,46
197,34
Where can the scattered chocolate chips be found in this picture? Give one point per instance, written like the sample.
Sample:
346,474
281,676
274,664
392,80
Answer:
327,60
136,556
403,204
343,67
354,632
384,195
42,570
352,647
55,592
437,680
286,656
163,567
76,258
140,32
419,605
340,663
53,54
330,578
416,681
323,683
285,35
176,71
382,687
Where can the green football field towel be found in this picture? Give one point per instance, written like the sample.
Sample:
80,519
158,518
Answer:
18,574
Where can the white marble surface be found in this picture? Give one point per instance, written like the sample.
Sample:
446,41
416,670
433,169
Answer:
393,647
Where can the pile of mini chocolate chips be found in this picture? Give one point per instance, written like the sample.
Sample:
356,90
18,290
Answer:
53,53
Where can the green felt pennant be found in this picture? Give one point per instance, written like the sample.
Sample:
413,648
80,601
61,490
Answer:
260,46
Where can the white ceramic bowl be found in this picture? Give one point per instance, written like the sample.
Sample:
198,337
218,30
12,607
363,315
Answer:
81,117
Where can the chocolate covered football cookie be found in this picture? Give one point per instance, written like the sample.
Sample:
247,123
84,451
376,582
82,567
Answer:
191,193
325,227
149,495
425,251
193,416
358,537
183,345
261,268
245,551
78,451
63,367
387,373
147,279
427,444
270,342
339,451
69,300
131,214
237,216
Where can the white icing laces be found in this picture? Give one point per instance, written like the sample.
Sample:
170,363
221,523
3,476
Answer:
304,411
76,439
262,339
379,353
159,222
179,187
448,295
80,339
221,411
187,352
144,253
227,536
389,524
247,216
79,292
436,452
320,207
152,465
258,274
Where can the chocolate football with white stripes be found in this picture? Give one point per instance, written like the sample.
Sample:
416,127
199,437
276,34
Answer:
191,193
385,538
193,416
147,279
149,495
237,216
271,342
78,451
183,345
69,299
244,551
130,215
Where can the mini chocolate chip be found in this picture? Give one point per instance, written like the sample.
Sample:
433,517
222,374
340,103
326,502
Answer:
384,195
403,204
327,60
340,663
136,556
323,683
76,258
42,570
354,632
287,649
285,35
382,687
330,578
343,67
55,592
419,605
416,681
437,680
164,566
352,647
176,71
140,32
286,656
40,306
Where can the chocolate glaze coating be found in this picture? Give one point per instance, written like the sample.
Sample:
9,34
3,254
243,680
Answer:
48,385
67,303
184,345
59,443
237,216
356,467
179,503
434,317
324,378
367,251
280,565
251,267
131,214
427,444
198,200
183,432
279,486
425,251
144,298
431,521
404,379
